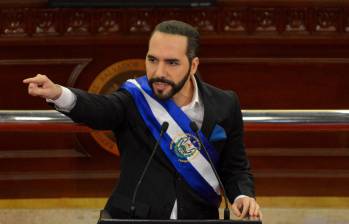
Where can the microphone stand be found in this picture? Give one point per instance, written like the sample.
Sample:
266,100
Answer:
195,129
164,128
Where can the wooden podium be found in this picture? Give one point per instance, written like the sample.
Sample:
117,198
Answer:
171,221
104,218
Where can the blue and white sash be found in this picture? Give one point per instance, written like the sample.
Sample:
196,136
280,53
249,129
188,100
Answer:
179,143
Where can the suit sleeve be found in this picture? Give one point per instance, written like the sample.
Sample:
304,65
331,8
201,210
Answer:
103,112
234,165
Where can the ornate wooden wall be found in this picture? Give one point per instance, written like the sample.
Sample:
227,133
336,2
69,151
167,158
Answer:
275,54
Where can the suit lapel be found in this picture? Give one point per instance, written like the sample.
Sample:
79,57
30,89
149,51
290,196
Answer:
209,114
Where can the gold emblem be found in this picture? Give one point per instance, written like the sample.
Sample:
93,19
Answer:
107,82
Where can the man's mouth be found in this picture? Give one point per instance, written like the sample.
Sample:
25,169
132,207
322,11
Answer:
160,86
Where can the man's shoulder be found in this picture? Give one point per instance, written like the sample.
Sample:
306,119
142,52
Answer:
217,92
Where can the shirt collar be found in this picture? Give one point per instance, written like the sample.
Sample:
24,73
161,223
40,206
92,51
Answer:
195,101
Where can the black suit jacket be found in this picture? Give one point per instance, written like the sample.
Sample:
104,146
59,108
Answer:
162,185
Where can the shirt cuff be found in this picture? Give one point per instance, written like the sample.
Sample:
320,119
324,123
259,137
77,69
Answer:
65,102
240,196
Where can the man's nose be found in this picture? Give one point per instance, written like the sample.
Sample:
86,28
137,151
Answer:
160,70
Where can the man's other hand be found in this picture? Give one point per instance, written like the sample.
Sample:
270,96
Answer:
246,207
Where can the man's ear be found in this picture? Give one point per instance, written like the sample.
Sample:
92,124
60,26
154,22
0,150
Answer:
194,65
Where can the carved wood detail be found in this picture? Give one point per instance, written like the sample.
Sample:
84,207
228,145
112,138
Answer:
234,21
108,22
46,23
328,20
296,21
14,22
243,20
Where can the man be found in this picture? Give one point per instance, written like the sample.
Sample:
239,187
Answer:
180,182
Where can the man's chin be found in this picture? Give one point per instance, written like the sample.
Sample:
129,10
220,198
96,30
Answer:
163,96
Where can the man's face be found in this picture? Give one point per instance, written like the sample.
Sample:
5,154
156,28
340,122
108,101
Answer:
167,65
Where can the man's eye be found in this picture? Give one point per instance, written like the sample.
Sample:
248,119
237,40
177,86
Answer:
173,63
151,60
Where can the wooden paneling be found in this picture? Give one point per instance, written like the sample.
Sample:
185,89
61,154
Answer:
284,83
66,71
274,54
44,164
299,159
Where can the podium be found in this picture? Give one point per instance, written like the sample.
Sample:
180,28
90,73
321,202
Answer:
105,219
172,221
196,221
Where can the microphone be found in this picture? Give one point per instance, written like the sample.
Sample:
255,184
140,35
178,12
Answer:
195,129
164,128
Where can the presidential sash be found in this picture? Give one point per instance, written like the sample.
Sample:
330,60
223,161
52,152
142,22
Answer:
179,143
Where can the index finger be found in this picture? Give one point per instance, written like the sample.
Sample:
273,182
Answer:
37,79
29,80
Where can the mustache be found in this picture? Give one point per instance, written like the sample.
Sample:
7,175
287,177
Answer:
161,79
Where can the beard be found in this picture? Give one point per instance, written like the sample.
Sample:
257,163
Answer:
176,87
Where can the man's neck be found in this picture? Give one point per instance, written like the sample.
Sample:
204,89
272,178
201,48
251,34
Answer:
185,95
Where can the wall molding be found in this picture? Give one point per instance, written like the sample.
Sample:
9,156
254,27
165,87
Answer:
296,152
302,173
41,154
59,175
276,60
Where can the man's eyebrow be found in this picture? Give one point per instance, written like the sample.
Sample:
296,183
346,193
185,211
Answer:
172,60
150,56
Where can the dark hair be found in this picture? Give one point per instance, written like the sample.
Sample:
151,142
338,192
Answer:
183,29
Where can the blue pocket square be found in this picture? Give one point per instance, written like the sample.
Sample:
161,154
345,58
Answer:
218,134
